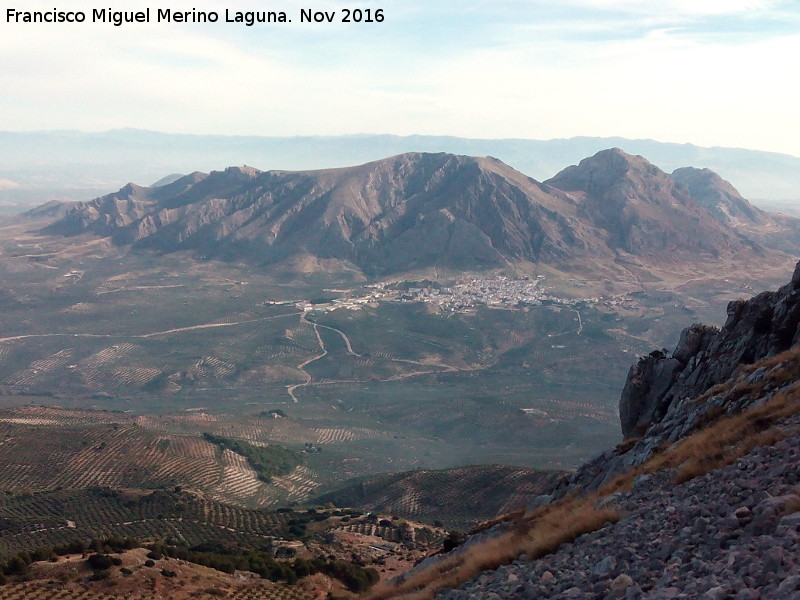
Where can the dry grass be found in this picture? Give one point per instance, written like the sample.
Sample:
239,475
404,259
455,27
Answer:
790,358
793,505
535,535
512,516
712,457
790,371
720,441
627,444
730,438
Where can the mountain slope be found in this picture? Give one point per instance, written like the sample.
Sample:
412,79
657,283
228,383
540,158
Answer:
400,213
718,196
457,497
418,210
641,207
705,504
725,202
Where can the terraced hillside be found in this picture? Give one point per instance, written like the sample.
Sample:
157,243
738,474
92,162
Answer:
458,498
45,519
45,449
283,555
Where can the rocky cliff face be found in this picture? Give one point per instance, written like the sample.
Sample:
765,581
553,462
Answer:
705,356
667,396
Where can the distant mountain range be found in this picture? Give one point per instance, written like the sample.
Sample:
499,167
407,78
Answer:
420,210
67,165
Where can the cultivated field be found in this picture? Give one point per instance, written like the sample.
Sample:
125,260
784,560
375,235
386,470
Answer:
459,498
178,346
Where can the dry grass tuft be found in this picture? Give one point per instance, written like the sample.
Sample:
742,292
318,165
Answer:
627,444
505,518
793,505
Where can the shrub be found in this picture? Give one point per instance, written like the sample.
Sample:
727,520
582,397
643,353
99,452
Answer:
100,561
119,544
453,540
15,566
357,579
266,461
303,567
74,547
42,554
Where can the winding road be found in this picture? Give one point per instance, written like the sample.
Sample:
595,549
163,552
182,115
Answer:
291,388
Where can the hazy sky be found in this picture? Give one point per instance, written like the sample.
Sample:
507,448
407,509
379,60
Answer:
709,72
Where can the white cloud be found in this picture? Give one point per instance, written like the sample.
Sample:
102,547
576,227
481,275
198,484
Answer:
533,79
690,7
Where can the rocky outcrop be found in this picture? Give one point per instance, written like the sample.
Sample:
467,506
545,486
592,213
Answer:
669,395
705,356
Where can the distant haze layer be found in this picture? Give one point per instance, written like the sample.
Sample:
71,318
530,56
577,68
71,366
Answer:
69,165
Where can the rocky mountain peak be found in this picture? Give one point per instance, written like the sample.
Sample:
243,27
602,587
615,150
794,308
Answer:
598,174
242,173
642,208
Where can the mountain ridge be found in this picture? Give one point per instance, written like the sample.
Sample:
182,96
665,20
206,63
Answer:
417,210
